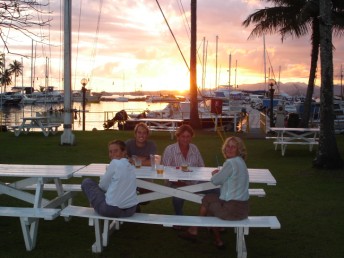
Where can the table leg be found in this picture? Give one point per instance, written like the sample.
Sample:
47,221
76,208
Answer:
29,228
162,191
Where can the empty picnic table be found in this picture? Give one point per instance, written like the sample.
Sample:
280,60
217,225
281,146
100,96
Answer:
162,124
37,175
295,136
29,123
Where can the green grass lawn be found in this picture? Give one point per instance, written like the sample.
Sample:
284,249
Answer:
308,203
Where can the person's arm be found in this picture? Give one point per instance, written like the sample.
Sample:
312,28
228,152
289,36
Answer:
200,161
105,180
221,176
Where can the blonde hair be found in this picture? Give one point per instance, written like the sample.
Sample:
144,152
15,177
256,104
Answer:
143,125
242,152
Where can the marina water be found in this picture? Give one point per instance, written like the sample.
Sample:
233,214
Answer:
96,113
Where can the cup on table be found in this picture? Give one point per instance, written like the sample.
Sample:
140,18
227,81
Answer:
160,169
185,167
137,161
152,161
157,159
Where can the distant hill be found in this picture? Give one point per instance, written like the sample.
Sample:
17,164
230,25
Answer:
291,88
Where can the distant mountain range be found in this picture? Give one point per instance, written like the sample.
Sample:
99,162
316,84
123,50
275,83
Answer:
291,88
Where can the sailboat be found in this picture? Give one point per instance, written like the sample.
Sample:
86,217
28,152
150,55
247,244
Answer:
90,97
122,99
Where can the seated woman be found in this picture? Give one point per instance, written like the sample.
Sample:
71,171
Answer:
115,195
232,203
179,153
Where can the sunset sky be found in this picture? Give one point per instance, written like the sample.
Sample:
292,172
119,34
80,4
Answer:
131,48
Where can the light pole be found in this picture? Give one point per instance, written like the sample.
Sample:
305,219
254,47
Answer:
83,89
271,84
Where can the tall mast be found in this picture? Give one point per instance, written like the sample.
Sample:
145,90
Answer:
235,74
203,64
264,58
229,70
341,81
217,38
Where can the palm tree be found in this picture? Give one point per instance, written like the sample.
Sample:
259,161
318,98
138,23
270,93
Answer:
17,69
328,155
296,18
194,116
310,14
5,78
2,62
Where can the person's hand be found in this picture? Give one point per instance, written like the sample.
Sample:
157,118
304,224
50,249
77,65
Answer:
215,171
131,160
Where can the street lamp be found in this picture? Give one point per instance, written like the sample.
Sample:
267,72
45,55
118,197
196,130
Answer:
271,84
83,90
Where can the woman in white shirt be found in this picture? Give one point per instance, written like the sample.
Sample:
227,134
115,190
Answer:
115,195
232,203
179,153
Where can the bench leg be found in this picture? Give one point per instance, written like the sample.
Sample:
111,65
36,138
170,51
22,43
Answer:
54,130
105,234
97,247
240,242
29,229
276,147
283,148
17,131
45,132
108,229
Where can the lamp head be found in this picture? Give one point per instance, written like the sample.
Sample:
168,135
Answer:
271,83
83,82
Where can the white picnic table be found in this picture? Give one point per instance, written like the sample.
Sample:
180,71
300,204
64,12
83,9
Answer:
39,122
295,136
37,175
201,175
162,124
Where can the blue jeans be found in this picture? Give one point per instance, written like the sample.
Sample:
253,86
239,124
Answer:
96,197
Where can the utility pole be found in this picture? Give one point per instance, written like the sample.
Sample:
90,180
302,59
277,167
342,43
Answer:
67,137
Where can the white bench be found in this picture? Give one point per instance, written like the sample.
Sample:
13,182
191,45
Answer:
52,187
77,188
29,218
241,227
284,144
